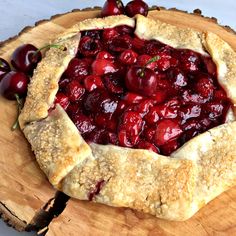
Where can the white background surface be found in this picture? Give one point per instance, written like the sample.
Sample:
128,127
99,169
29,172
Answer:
16,14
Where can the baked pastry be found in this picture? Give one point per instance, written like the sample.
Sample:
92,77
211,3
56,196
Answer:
136,87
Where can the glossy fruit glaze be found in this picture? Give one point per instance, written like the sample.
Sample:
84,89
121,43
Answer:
115,93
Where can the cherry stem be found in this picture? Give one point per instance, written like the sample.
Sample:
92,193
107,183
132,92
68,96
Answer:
119,3
153,59
50,46
19,106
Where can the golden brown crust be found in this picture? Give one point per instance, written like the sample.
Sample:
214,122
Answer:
139,179
174,36
98,23
225,58
57,145
171,188
215,155
44,84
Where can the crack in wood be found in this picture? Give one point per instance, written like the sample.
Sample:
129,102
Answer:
53,208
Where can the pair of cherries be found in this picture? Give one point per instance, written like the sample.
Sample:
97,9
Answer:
14,82
116,7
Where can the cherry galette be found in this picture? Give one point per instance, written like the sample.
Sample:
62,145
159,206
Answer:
126,91
133,112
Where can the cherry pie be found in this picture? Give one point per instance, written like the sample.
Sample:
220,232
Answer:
132,112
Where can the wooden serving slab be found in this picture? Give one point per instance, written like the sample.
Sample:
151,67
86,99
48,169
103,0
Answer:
28,201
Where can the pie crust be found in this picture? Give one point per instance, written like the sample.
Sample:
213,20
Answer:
172,187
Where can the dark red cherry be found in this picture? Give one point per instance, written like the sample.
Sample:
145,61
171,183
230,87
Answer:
138,43
121,106
120,43
95,34
129,129
105,55
126,139
148,146
132,98
74,91
63,81
220,95
99,136
128,57
178,78
89,47
83,123
166,131
77,69
103,66
109,34
112,7
192,97
100,101
153,115
131,121
62,99
91,101
144,106
136,7
14,83
113,138
159,96
205,86
169,110
152,47
189,61
210,65
169,147
92,82
4,68
101,120
25,58
149,133
113,84
142,60
107,103
141,80
124,29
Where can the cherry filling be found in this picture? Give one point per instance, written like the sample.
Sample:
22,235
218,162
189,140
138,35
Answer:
116,93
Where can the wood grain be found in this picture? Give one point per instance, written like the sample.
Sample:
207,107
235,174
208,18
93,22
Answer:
85,218
24,189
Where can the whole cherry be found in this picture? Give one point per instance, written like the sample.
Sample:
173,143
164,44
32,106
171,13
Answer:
77,69
25,58
14,83
89,46
141,80
136,7
4,68
112,7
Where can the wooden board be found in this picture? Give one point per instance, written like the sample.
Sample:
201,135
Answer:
24,189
